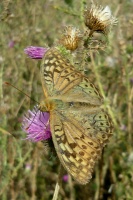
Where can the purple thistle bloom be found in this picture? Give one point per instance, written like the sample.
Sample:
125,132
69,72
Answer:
36,125
131,81
123,127
11,44
65,178
35,52
28,166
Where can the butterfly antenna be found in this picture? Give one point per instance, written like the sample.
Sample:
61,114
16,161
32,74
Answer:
20,91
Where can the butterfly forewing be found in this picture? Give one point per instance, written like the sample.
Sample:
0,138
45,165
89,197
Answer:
60,78
57,74
80,128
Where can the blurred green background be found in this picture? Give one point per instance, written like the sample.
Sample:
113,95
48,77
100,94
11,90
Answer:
26,172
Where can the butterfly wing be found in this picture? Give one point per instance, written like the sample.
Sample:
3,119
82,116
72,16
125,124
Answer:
79,139
76,150
80,128
61,80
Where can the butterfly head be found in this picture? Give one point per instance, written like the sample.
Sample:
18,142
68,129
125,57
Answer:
47,106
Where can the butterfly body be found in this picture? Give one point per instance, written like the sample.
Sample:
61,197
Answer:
80,127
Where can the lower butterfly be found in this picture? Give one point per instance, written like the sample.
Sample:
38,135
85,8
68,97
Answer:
80,127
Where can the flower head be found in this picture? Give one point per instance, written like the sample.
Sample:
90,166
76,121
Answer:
65,178
131,81
36,125
11,44
35,52
71,38
28,167
123,127
99,19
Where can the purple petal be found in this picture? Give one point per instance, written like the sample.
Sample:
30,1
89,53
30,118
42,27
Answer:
28,166
65,178
123,127
131,81
11,44
35,52
36,125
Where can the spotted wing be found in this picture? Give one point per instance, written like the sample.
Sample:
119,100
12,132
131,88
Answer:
96,123
80,128
77,150
61,80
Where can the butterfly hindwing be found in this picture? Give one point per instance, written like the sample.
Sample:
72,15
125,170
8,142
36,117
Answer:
77,151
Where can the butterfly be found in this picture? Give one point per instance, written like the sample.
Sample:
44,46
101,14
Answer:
80,127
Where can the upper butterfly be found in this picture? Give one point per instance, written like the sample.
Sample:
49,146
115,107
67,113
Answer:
80,128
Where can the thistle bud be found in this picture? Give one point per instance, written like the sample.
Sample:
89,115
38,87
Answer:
99,19
71,38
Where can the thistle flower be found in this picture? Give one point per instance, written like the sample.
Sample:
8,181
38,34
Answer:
71,38
131,81
28,167
35,52
99,19
36,125
65,178
11,44
123,127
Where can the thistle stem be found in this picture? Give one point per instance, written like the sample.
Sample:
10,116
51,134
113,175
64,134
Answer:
56,192
58,183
